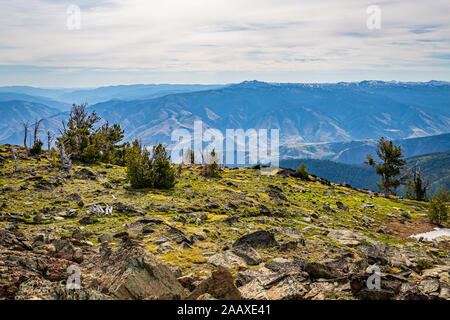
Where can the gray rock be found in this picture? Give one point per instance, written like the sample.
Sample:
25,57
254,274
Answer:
161,240
165,247
246,252
257,240
105,237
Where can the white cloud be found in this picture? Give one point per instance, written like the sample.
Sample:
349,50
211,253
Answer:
232,35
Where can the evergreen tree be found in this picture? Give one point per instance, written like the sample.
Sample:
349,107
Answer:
162,174
138,165
37,148
88,142
144,171
390,167
416,188
189,156
438,211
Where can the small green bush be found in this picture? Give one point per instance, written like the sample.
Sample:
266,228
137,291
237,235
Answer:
302,173
212,168
36,150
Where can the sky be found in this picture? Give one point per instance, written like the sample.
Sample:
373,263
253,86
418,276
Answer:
229,41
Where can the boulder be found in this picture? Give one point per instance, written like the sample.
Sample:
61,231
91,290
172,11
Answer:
257,240
346,237
227,260
220,286
248,254
88,220
132,272
84,174
164,247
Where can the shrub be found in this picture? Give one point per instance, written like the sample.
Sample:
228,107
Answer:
36,150
438,211
211,168
423,264
302,173
144,171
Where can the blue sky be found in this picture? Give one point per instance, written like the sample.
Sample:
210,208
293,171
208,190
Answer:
204,41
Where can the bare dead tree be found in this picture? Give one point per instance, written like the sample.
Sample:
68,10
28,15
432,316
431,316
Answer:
37,123
65,159
16,166
26,126
50,138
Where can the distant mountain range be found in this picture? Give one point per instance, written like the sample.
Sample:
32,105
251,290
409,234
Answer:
302,112
328,121
101,94
435,169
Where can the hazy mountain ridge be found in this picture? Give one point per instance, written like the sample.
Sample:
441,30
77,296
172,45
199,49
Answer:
304,113
101,94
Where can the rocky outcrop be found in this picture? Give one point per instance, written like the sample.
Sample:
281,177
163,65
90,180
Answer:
131,272
128,272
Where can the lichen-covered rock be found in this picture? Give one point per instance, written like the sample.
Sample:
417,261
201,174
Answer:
41,289
220,286
257,240
132,272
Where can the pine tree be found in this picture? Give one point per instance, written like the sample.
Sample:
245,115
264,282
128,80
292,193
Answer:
138,165
438,211
390,167
162,174
87,142
144,171
417,189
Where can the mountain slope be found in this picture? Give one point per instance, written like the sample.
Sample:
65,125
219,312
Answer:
354,152
276,237
12,113
435,169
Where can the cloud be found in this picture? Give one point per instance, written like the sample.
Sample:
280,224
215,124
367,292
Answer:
248,36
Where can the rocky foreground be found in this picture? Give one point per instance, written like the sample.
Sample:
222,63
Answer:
243,236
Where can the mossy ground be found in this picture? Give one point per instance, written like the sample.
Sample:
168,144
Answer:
305,215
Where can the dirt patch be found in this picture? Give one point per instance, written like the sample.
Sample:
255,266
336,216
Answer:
410,227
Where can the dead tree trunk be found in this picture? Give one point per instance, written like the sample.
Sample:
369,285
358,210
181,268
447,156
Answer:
49,142
25,125
36,130
16,166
